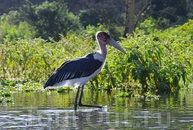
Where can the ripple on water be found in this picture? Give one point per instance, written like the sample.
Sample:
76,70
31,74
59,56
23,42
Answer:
168,113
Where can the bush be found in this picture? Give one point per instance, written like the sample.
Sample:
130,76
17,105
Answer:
13,28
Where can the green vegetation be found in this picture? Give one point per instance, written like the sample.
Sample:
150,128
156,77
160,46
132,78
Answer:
158,60
157,63
13,29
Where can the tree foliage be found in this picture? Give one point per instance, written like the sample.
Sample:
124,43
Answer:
170,9
107,13
50,19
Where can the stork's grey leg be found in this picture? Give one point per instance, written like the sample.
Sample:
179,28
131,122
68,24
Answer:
76,98
80,100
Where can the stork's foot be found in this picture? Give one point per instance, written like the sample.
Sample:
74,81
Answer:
86,105
103,108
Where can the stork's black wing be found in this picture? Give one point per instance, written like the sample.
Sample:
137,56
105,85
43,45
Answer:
72,69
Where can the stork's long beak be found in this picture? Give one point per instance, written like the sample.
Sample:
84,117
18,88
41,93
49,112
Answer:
113,43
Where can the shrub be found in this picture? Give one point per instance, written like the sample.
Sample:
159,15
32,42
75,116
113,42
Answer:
158,63
11,28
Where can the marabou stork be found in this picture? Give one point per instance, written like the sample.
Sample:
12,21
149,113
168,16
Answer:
79,71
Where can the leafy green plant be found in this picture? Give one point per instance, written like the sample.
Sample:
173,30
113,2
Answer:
159,63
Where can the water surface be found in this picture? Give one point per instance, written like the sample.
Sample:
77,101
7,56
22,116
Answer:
44,110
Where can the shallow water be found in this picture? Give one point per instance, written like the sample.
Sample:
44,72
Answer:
44,110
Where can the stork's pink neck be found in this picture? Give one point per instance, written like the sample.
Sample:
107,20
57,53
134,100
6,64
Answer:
102,46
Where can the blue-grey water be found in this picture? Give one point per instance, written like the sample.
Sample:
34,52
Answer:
43,110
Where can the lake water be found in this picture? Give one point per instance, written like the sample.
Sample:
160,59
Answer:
45,110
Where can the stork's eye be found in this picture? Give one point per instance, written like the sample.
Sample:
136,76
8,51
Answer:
100,35
106,35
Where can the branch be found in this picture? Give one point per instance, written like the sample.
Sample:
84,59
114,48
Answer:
145,7
142,11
